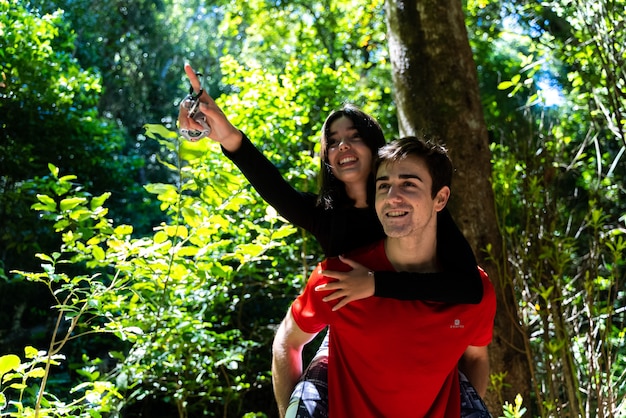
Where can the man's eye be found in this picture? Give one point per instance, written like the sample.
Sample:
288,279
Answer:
383,186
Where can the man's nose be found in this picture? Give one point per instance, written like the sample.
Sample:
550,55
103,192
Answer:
393,194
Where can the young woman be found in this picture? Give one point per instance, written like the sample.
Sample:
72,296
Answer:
342,217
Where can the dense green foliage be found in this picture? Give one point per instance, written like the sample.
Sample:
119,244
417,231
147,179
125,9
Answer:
50,115
559,176
168,273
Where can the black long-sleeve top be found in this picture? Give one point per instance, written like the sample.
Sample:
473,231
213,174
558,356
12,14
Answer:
340,230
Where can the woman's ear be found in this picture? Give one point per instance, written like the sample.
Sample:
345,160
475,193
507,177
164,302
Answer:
441,198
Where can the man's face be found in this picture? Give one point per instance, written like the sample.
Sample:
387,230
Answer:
404,202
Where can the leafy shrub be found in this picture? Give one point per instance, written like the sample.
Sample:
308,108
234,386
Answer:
190,306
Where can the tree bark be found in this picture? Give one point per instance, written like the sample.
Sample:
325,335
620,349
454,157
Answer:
436,92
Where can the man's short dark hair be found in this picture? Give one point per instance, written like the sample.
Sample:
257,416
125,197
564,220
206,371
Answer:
434,155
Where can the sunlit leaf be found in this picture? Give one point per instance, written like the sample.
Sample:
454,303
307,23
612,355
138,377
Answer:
8,363
47,203
71,203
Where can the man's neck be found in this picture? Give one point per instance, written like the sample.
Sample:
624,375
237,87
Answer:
411,254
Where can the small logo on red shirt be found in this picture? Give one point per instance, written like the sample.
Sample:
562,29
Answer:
457,324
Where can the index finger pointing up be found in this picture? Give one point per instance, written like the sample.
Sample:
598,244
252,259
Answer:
193,78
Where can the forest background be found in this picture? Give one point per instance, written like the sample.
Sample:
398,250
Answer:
142,276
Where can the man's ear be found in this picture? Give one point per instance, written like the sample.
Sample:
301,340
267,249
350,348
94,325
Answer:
441,198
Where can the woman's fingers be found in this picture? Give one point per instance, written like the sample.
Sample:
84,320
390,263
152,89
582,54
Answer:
193,78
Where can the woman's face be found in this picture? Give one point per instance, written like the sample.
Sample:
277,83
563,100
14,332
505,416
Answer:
349,157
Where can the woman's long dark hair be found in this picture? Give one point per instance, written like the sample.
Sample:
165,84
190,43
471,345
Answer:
332,192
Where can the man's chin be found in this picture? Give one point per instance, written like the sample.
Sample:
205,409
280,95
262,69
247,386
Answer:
396,231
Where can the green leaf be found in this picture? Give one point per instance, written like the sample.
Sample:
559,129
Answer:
160,237
160,188
505,85
30,352
71,203
154,130
177,231
10,376
123,230
98,201
9,363
187,251
53,169
251,250
44,257
48,203
191,217
68,178
192,151
98,253
37,373
283,231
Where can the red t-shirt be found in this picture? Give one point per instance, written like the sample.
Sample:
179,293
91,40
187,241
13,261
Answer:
392,358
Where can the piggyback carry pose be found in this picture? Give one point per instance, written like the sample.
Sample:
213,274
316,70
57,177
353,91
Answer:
342,216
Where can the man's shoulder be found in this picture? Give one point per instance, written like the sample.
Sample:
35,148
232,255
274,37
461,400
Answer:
373,253
375,248
371,256
489,293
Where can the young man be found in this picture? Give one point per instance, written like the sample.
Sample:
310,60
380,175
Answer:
388,357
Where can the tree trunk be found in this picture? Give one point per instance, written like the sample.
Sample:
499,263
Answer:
436,92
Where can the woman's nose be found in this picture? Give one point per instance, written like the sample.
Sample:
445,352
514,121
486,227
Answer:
344,144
